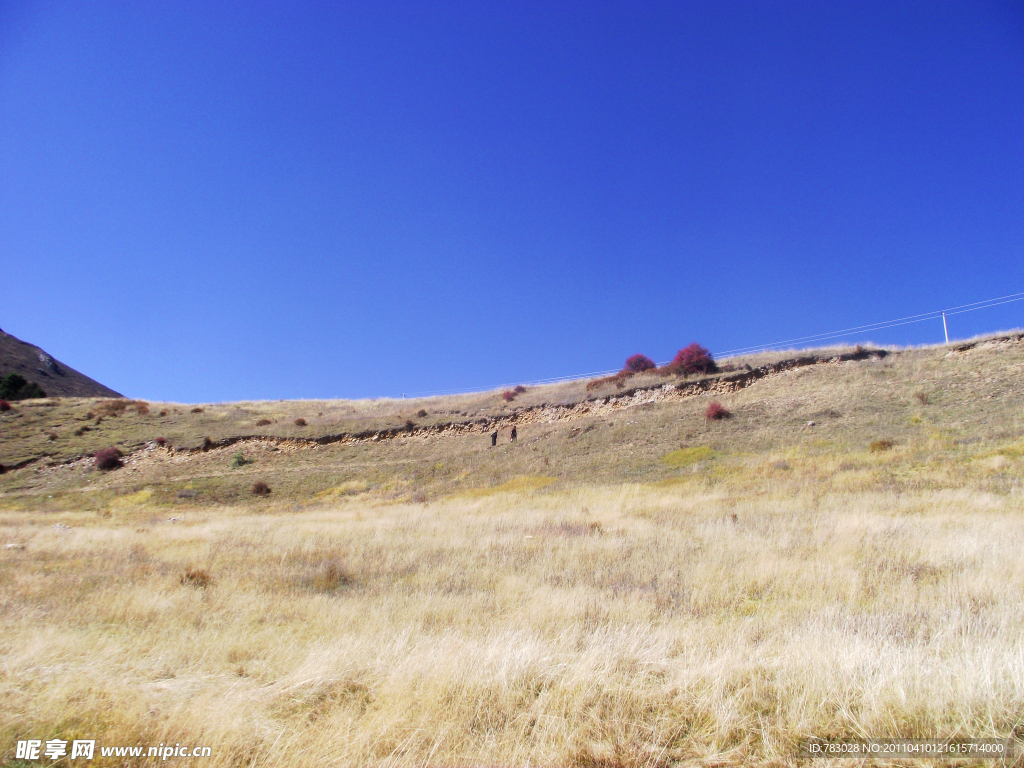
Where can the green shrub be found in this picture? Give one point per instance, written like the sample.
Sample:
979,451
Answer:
15,387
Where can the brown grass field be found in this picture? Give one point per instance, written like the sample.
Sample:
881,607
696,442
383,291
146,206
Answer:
626,585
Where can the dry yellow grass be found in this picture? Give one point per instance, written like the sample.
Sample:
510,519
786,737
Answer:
624,625
719,594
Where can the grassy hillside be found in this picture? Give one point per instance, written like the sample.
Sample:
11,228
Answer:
626,585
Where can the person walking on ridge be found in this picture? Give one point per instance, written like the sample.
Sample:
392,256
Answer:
494,438
513,436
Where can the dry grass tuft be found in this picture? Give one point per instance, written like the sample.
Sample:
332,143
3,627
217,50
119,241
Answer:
328,576
197,578
112,407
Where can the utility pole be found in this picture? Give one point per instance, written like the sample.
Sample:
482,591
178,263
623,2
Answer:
944,328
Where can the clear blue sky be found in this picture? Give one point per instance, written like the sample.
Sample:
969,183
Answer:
216,201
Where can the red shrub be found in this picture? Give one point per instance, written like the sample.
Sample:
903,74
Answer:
694,359
108,459
639,363
4,405
161,441
260,488
716,411
508,395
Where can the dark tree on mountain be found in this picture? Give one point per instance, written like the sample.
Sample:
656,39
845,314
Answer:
14,387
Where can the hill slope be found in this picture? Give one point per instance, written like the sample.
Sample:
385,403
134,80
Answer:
627,585
939,400
56,378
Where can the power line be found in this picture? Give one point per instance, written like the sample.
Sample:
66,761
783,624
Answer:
908,320
934,315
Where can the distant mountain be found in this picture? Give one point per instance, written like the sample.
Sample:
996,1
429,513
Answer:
56,379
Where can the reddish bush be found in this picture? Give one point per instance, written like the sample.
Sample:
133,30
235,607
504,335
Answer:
161,441
639,363
4,405
716,411
508,395
410,424
421,413
519,389
197,409
694,359
108,459
300,422
260,488
263,422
